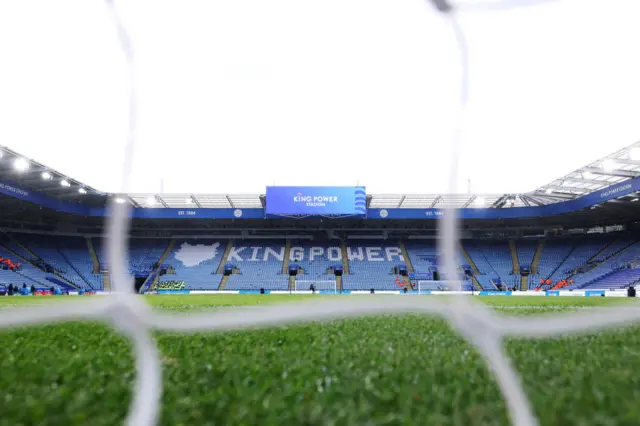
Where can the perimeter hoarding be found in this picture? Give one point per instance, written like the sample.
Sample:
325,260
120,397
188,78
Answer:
316,200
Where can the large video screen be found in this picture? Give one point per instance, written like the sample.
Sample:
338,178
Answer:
316,200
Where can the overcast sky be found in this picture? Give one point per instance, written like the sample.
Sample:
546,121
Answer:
235,95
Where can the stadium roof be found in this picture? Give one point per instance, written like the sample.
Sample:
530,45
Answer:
617,167
35,176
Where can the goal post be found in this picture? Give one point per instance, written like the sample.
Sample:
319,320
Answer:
325,286
446,285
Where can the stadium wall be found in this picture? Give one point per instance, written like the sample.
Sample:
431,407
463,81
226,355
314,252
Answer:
612,192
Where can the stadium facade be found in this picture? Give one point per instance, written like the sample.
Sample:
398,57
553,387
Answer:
577,232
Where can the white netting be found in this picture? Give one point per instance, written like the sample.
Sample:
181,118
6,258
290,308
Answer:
482,327
324,285
446,285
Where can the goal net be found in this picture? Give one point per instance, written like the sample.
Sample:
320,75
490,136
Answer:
429,285
324,286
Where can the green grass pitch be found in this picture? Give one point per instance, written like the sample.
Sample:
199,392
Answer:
387,370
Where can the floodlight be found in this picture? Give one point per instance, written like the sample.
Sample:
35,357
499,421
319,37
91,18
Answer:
119,200
82,190
634,154
479,201
608,164
46,175
588,175
549,191
188,200
151,200
21,164
65,183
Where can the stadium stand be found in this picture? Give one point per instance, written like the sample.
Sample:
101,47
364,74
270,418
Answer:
615,280
592,262
259,264
316,259
598,276
526,250
27,273
143,253
75,250
583,249
493,259
371,265
554,253
194,262
47,250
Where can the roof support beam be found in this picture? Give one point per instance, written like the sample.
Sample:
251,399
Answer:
230,202
401,201
435,201
567,189
195,201
525,200
626,162
589,181
554,196
620,173
500,202
469,201
132,201
158,198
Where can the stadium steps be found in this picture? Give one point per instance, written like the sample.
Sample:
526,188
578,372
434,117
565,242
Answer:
470,261
223,282
536,257
405,255
345,257
23,247
106,281
514,258
223,261
151,281
292,282
287,255
562,262
524,283
494,285
32,280
166,252
407,283
595,256
476,284
64,256
94,256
